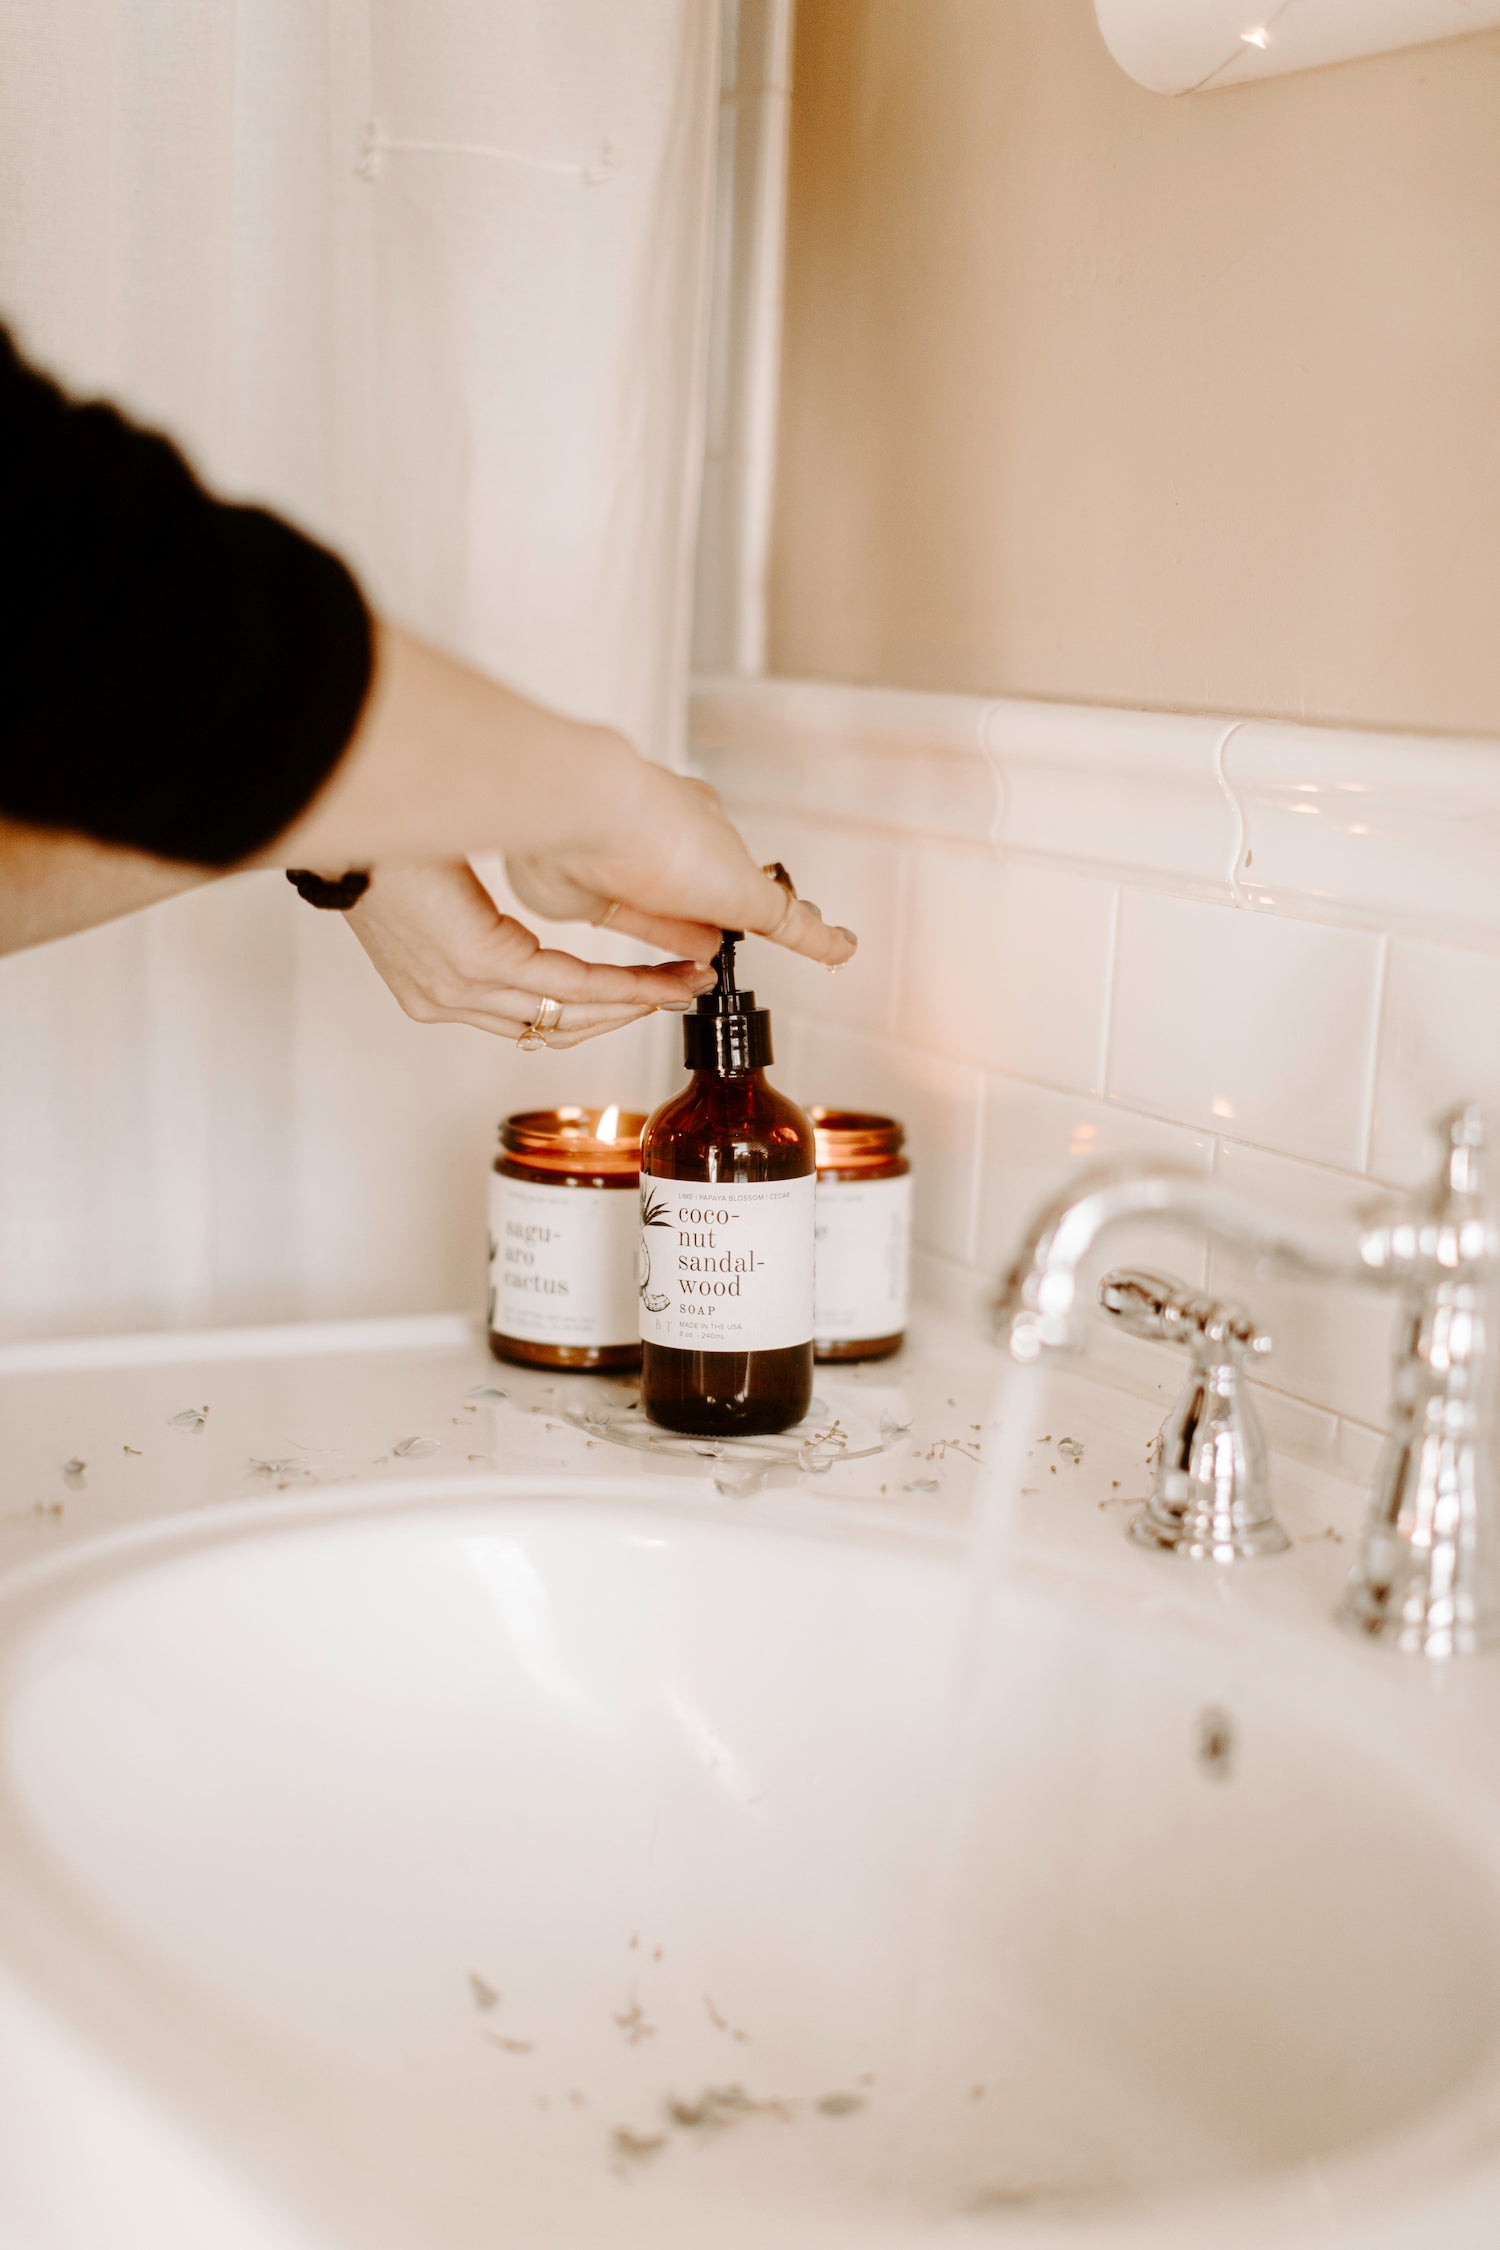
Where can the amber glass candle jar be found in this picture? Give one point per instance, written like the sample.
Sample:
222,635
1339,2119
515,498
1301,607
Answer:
863,1235
564,1207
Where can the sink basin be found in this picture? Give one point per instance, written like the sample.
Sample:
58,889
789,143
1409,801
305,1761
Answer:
551,1867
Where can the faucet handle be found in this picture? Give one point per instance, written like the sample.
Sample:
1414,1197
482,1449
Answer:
1209,1497
1165,1311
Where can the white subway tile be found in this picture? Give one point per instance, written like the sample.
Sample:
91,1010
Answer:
1245,1022
1439,1044
1006,965
937,1101
1036,1141
1291,1426
1333,1344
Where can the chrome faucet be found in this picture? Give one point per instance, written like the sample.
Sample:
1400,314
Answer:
1427,1578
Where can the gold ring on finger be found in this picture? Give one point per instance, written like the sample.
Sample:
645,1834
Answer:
547,1018
779,875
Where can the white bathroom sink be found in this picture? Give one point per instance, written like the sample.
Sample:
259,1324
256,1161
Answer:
417,1857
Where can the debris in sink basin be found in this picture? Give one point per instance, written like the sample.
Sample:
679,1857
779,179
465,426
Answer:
922,1484
722,2023
720,2106
72,1473
1070,1449
839,2104
281,1472
415,1448
135,1449
977,2093
191,1418
49,1508
1216,1742
485,1391
509,2046
635,2148
632,2021
1003,2198
484,1994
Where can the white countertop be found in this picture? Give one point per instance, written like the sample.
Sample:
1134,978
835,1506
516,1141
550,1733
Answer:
93,1437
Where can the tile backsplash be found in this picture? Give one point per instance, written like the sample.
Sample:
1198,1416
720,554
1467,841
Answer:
1272,952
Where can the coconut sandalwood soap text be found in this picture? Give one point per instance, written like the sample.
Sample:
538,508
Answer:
727,1211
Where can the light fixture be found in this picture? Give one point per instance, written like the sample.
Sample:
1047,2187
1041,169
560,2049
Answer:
1190,46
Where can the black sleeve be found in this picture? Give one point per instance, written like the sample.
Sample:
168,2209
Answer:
179,674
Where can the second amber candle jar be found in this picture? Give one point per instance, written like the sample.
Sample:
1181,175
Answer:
863,1234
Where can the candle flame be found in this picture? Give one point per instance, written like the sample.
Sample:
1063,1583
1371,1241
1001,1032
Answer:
609,1123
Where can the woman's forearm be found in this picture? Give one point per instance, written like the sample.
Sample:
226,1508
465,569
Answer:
446,761
52,883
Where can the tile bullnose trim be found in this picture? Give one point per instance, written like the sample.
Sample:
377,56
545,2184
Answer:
1402,830
889,757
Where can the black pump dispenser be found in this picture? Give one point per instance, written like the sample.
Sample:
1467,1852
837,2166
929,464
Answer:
726,1030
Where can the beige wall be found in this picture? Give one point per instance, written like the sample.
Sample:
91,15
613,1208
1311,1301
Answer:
1092,394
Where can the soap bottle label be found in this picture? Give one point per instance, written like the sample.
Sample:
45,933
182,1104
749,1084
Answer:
863,1258
726,1266
562,1262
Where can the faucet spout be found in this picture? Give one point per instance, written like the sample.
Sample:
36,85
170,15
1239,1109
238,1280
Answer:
1034,1312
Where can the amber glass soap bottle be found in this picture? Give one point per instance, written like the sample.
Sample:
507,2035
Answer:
728,1170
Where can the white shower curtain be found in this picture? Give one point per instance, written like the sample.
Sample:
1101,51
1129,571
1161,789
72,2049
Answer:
429,275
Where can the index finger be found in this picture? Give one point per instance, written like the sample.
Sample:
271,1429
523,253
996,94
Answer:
797,924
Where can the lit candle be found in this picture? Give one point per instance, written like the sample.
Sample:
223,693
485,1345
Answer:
563,1225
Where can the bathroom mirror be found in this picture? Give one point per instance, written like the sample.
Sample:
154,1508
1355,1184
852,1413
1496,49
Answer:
1190,46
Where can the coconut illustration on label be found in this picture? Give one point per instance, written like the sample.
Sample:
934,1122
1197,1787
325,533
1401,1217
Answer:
653,1214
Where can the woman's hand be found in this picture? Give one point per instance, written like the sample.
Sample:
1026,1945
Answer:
450,956
446,762
667,865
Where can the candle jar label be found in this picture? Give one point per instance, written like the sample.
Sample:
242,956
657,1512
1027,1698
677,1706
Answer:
726,1266
863,1258
562,1262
